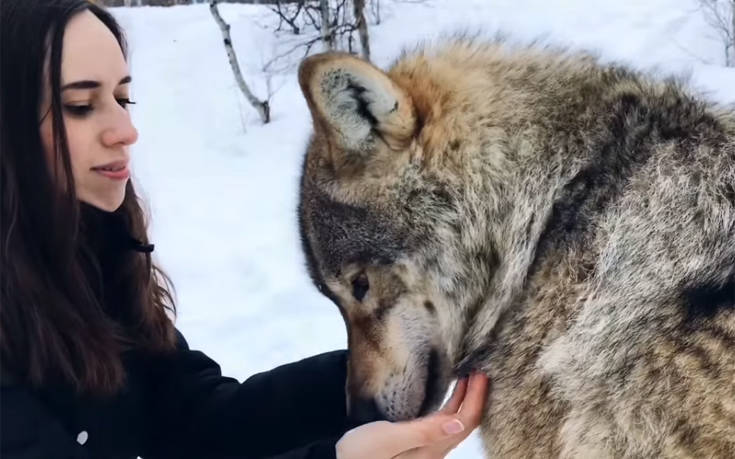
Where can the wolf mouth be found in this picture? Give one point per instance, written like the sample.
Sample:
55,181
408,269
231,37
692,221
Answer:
431,389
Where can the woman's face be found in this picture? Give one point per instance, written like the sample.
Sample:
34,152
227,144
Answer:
95,84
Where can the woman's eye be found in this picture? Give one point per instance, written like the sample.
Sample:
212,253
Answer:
78,110
360,286
124,102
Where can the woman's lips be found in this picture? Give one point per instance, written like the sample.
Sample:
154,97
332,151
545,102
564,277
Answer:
117,170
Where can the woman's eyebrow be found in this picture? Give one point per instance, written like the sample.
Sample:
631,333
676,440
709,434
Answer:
83,84
91,84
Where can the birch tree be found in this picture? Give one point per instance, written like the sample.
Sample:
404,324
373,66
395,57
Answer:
326,29
361,24
720,14
260,106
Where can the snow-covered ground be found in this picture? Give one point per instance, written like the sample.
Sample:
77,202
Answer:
222,188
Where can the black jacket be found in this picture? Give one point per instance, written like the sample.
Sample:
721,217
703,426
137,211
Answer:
181,406
177,406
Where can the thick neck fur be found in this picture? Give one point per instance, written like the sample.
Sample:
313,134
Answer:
498,128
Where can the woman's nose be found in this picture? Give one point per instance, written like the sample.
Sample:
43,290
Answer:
120,130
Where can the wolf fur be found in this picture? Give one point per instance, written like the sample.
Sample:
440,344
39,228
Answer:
565,226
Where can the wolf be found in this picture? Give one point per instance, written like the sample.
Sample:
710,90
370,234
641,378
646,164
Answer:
564,225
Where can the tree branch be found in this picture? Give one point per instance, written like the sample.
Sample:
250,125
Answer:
720,14
361,24
262,107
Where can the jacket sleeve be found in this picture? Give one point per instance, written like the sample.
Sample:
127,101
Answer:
28,430
295,410
324,449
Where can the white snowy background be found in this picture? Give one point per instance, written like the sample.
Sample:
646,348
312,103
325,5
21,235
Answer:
222,188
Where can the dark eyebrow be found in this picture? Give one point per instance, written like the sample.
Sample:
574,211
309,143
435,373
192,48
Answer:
85,84
89,84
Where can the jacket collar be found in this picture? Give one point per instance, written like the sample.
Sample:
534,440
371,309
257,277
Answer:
108,233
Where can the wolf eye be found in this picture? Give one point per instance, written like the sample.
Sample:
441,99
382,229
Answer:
360,286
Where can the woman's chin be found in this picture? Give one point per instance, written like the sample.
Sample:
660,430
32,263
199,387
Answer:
105,203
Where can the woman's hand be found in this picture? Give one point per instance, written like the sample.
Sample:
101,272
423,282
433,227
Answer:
431,437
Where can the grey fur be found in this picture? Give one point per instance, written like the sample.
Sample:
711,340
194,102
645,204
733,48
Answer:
571,225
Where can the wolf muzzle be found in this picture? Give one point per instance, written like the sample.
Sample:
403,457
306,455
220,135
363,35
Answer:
364,410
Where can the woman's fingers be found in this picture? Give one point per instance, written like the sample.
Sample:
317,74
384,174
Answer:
431,436
382,439
473,404
455,401
445,429
470,414
426,431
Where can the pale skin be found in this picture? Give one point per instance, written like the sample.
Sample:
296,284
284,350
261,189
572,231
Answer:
95,82
95,85
431,437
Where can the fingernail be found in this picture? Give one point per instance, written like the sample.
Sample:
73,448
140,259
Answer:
452,427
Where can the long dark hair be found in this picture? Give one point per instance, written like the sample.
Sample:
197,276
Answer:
53,323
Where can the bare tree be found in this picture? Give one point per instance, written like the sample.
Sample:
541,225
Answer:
311,22
720,14
326,29
289,13
129,3
262,107
162,2
361,24
375,8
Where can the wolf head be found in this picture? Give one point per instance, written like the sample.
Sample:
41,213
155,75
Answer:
386,233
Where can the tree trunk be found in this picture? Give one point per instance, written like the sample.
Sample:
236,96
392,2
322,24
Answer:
327,36
361,23
262,107
732,33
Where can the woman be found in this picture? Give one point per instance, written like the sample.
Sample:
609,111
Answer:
92,365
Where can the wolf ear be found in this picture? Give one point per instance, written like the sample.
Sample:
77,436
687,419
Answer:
356,104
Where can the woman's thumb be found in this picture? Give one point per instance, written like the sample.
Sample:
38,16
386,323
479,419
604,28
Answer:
428,430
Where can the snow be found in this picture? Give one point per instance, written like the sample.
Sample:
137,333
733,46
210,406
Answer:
222,188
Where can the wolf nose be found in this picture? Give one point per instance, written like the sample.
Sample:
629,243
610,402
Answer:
364,410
